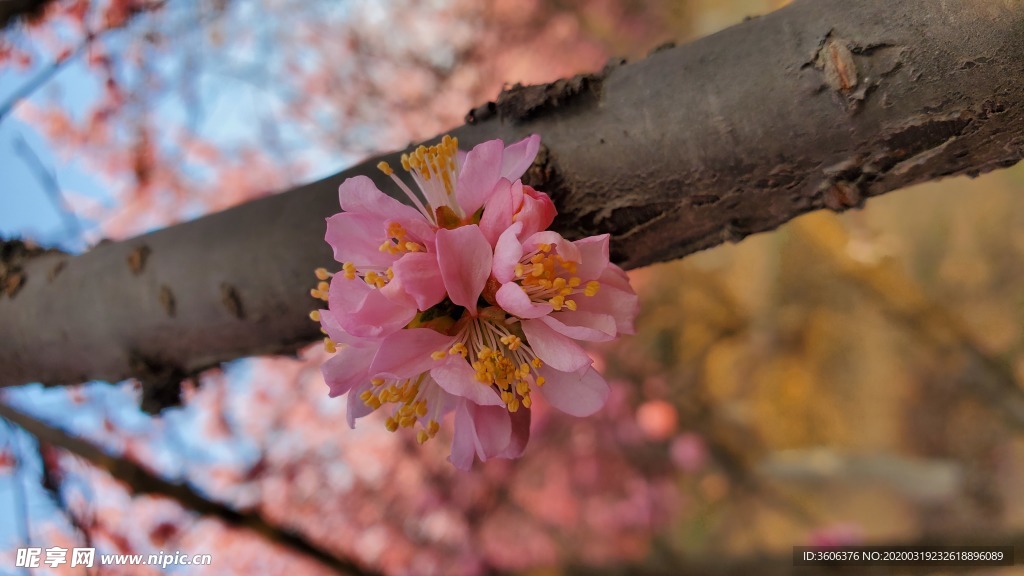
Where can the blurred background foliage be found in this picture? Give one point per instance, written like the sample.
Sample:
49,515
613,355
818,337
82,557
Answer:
850,378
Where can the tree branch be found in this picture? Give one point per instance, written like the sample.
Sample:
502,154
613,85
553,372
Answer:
141,481
822,104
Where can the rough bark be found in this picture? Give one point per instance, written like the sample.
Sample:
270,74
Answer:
140,480
822,104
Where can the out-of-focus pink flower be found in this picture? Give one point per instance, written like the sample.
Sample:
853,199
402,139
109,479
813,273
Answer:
464,303
657,419
688,452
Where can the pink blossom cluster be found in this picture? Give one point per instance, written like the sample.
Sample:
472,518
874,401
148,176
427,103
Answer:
463,301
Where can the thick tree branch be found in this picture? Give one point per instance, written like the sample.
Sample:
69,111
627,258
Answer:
141,481
820,105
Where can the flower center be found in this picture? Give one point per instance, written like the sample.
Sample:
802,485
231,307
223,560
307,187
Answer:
547,277
494,346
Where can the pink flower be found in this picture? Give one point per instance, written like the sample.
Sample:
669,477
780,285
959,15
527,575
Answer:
571,288
388,250
400,380
465,303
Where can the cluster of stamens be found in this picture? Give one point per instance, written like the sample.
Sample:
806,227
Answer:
320,293
398,242
499,358
435,170
542,274
412,406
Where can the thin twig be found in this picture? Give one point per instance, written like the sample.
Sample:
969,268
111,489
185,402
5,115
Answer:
37,82
141,480
18,488
52,188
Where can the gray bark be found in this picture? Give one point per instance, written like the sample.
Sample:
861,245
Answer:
822,104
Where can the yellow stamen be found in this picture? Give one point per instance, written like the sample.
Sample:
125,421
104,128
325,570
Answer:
322,274
314,315
385,168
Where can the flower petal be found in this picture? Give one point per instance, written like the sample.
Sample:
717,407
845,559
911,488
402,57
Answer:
407,353
520,434
616,277
493,429
464,256
518,157
419,276
573,393
485,431
458,378
507,253
621,305
536,211
565,249
554,349
346,368
365,312
346,296
356,238
579,325
480,173
360,194
515,301
593,257
355,407
498,211
334,330
463,439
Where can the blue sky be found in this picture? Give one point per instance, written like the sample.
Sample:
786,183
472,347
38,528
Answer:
28,211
